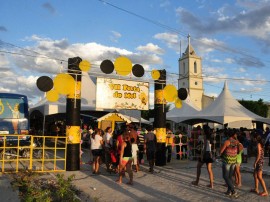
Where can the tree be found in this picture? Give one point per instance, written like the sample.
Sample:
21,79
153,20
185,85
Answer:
257,107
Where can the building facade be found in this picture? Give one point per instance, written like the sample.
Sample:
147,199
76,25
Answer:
191,77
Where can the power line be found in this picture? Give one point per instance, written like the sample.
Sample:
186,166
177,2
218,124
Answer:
176,31
169,73
144,18
33,56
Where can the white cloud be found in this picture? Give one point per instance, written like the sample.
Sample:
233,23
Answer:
49,56
216,60
212,70
3,62
115,36
165,3
151,48
206,45
221,14
242,70
229,60
171,40
253,22
250,90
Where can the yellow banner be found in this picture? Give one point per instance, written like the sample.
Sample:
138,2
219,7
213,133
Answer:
73,134
161,135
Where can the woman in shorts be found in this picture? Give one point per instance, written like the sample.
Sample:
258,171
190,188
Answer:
125,160
96,148
258,167
206,157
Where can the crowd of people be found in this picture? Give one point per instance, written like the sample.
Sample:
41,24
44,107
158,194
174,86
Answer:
231,152
123,151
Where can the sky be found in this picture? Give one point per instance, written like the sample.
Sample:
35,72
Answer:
232,37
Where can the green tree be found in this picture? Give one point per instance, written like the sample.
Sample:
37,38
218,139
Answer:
257,107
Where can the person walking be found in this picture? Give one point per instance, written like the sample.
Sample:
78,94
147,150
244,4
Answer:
205,157
96,148
150,147
177,142
237,173
169,142
107,147
125,159
135,151
141,134
228,152
258,167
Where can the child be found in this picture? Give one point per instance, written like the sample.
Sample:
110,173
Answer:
237,173
135,150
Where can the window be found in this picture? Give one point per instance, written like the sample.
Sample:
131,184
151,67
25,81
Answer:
195,67
196,83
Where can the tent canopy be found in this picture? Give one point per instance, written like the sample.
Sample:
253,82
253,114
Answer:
115,116
181,114
225,109
111,118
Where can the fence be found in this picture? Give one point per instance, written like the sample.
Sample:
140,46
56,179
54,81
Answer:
190,146
35,153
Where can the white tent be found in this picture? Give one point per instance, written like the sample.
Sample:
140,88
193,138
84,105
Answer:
187,111
225,109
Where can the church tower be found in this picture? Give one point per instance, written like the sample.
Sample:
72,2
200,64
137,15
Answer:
190,75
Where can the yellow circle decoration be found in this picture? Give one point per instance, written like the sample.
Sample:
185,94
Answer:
178,103
123,66
64,83
155,74
84,65
170,93
52,95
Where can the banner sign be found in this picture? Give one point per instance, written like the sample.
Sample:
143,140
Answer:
122,94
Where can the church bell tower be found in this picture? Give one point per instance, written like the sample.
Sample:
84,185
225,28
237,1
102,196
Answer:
190,75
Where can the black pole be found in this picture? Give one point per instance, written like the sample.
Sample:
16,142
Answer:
160,119
73,123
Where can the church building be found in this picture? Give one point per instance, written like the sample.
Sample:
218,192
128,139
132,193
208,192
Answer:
191,77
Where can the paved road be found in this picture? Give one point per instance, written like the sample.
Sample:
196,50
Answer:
168,183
